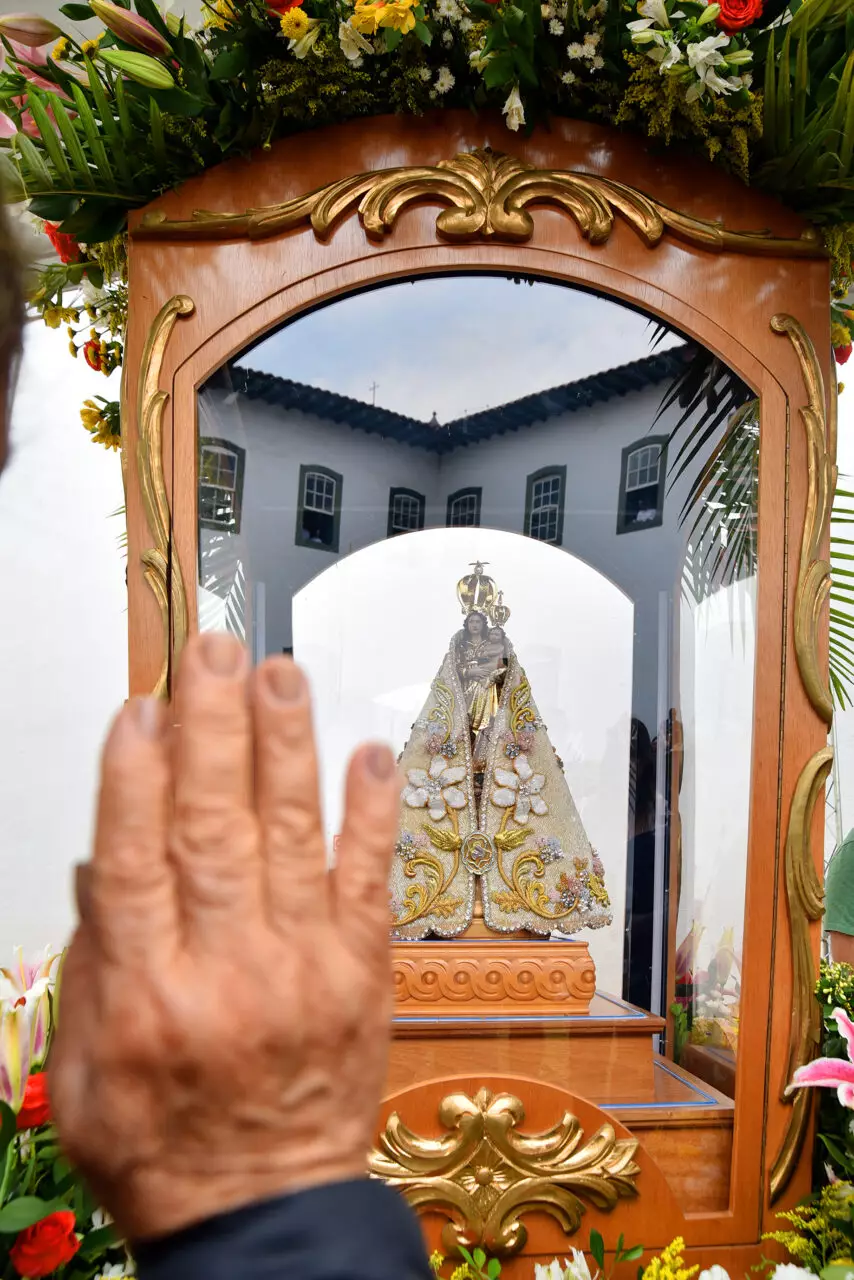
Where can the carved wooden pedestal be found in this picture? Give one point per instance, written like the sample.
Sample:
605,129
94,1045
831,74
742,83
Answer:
491,976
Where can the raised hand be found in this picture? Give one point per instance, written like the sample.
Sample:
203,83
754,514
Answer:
224,1007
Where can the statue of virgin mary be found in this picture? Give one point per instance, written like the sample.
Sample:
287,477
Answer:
486,806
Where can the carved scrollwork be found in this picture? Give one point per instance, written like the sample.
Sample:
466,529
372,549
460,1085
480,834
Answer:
806,901
484,1175
492,981
814,569
161,569
489,195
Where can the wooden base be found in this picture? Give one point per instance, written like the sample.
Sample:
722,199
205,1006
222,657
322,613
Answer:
491,977
604,1053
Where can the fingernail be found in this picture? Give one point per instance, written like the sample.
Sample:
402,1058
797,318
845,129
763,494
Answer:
283,681
146,714
222,654
380,763
82,882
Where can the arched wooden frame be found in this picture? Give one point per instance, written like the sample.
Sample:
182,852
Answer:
724,291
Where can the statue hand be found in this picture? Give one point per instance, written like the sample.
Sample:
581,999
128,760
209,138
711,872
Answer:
225,1001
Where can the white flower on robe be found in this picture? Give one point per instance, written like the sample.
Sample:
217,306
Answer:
521,789
437,790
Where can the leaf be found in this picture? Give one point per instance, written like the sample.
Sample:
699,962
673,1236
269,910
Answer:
507,840
448,841
19,1214
507,901
76,12
93,137
72,142
8,1126
392,38
98,218
97,1241
229,64
425,35
52,208
33,163
597,1248
158,141
479,1258
632,1255
493,1269
498,71
48,136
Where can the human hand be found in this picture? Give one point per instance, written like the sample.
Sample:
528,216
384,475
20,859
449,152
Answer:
225,1002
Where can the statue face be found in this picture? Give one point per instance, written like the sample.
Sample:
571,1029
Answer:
475,625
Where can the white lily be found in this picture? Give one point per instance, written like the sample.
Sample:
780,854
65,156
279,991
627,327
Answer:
353,43
514,110
656,10
576,1268
435,790
520,790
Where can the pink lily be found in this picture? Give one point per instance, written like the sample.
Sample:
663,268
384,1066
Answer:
8,128
29,29
832,1073
25,53
130,28
41,83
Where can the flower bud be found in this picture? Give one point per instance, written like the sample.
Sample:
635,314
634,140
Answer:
29,28
643,37
709,14
130,28
138,66
739,57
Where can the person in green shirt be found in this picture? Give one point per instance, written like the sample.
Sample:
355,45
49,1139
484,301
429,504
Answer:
839,902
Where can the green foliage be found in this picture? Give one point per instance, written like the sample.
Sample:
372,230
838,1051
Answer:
822,1228
657,105
808,110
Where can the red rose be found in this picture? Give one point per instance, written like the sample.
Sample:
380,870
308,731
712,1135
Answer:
66,246
35,1109
282,6
45,1246
737,14
92,354
842,353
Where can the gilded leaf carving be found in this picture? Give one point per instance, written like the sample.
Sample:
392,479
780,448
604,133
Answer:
484,1174
489,195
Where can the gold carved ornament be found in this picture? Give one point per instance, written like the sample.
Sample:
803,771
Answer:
814,569
483,1175
806,902
161,569
804,892
489,194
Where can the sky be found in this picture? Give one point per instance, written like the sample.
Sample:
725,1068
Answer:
456,345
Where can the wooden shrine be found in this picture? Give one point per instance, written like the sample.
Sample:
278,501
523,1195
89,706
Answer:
524,1106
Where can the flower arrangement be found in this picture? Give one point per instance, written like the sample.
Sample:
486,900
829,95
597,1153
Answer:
48,1220
91,129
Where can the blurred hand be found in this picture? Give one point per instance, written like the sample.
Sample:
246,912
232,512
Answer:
225,1003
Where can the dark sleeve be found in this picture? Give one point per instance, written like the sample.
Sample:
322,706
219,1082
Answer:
358,1230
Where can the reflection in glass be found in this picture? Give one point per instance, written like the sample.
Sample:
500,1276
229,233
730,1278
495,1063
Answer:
603,470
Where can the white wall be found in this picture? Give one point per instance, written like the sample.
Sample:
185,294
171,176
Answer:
63,642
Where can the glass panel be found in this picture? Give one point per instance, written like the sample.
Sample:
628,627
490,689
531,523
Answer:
580,573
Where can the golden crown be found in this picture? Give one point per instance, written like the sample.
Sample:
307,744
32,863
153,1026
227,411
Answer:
477,594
